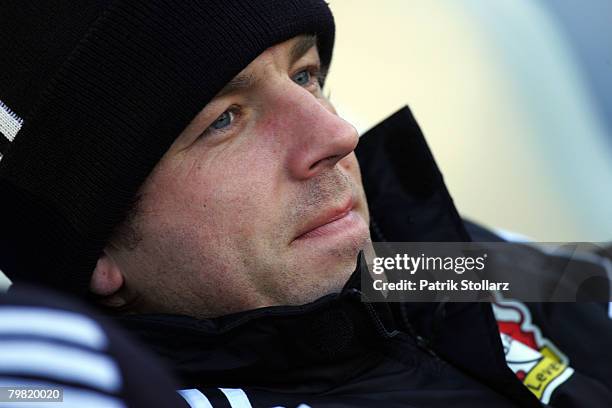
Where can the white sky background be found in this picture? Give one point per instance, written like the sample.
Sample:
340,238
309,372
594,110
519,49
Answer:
501,99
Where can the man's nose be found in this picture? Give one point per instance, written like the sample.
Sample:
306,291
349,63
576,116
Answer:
318,137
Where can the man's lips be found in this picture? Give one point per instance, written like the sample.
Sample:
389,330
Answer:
325,219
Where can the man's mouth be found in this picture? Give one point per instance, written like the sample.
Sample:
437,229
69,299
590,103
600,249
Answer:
332,221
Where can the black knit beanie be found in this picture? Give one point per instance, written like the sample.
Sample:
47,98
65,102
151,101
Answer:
94,92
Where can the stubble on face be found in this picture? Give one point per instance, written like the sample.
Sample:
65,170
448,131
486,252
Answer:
289,282
219,221
181,270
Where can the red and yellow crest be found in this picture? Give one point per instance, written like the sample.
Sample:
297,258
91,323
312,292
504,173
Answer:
535,360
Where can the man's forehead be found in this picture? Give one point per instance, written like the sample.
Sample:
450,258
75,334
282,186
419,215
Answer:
299,46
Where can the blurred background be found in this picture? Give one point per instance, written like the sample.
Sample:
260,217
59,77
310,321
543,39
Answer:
514,98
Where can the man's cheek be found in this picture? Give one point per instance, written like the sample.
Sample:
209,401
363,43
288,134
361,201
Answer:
244,211
350,166
349,162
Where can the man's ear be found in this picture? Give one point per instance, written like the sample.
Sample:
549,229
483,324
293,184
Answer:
107,280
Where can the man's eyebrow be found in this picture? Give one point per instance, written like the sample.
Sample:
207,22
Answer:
301,47
242,82
238,83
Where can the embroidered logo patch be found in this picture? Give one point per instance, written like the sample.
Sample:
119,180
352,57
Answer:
535,360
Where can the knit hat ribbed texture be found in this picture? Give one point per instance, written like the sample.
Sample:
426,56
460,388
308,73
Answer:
93,93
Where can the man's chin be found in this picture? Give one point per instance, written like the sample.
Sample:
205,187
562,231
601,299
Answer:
320,279
336,262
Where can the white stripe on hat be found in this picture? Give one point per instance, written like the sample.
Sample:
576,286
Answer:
41,359
10,122
55,324
236,397
195,398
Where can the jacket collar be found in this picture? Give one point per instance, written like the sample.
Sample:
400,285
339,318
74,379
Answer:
409,201
315,345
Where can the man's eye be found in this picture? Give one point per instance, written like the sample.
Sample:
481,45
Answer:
223,121
302,78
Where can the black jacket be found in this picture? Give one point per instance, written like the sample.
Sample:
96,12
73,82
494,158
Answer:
341,352
50,341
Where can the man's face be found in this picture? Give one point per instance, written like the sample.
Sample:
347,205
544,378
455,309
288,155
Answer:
258,202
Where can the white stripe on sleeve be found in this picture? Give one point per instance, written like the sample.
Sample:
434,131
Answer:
236,397
56,324
60,362
195,398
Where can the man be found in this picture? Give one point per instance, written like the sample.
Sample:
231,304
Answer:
178,162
